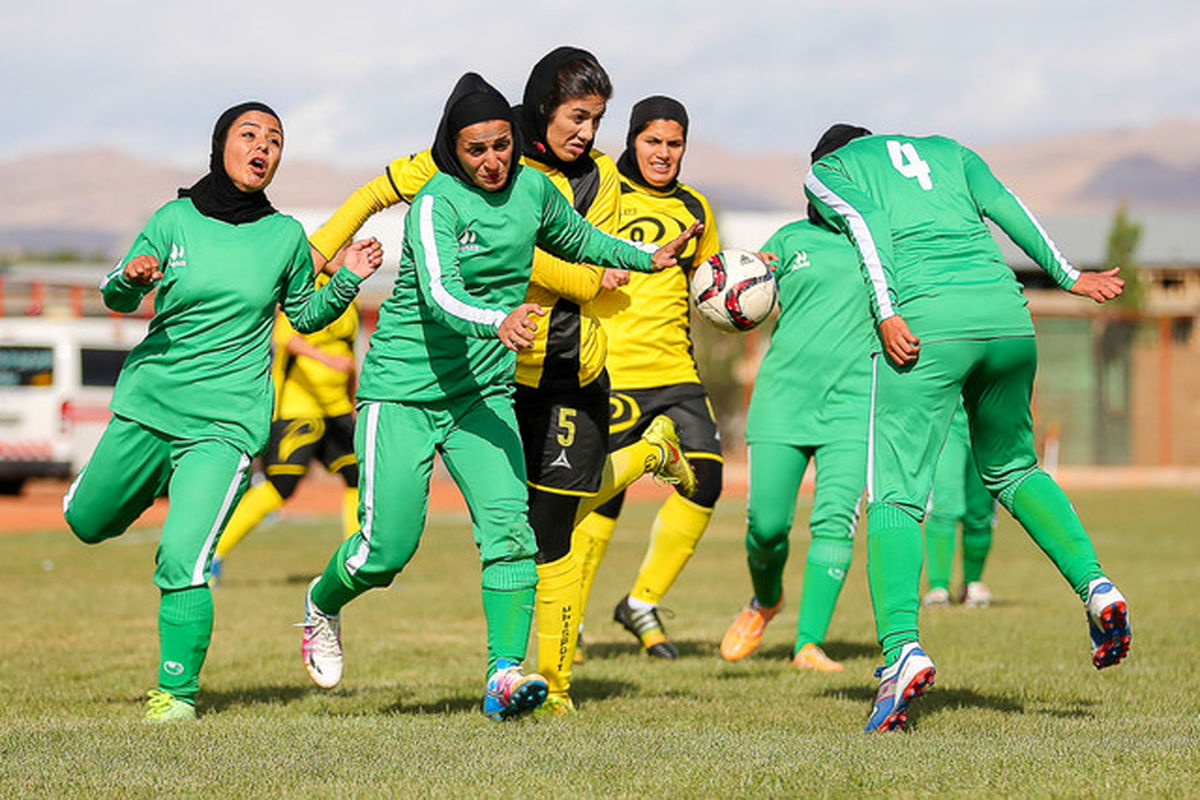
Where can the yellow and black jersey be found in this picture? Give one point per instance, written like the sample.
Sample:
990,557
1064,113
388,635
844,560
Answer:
305,387
646,321
569,346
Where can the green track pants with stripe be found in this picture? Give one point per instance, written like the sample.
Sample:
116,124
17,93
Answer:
203,479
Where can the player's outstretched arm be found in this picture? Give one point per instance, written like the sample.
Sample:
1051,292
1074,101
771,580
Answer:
900,343
668,254
1100,286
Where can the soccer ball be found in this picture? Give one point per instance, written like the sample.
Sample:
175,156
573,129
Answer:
734,290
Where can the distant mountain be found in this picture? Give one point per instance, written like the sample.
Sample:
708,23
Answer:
98,199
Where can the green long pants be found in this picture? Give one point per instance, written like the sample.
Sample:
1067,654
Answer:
478,441
131,466
775,474
912,409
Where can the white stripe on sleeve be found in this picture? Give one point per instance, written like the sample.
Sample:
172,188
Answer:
862,237
1063,264
448,302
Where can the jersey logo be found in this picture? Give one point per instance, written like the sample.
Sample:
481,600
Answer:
561,461
468,242
176,260
800,261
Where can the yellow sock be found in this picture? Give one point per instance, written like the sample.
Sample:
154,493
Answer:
349,512
677,529
256,504
589,543
621,468
557,611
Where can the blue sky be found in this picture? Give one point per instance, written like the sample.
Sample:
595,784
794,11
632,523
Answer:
358,83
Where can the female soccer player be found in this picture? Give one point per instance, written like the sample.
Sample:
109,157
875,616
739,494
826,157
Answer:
810,402
438,378
651,366
193,401
958,495
952,322
562,386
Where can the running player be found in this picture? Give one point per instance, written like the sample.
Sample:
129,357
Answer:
438,378
952,322
314,418
562,387
958,494
193,401
810,402
651,365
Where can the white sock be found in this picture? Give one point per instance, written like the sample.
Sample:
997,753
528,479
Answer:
641,605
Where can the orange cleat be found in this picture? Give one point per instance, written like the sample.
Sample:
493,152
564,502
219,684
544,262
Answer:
812,657
746,632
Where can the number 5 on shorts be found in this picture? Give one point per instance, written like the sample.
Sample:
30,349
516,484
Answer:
566,426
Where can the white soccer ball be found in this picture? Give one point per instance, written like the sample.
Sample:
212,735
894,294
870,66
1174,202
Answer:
734,290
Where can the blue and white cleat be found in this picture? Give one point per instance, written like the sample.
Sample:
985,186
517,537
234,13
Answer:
1108,623
900,684
511,693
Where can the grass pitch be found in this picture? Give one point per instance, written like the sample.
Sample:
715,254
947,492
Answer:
1017,710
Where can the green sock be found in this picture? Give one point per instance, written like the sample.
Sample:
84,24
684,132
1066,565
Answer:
824,573
1044,511
976,544
337,587
766,569
894,556
185,623
939,550
508,589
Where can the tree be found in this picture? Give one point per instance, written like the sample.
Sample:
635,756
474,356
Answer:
1123,238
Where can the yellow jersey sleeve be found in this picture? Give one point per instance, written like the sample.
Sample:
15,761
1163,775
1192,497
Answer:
400,181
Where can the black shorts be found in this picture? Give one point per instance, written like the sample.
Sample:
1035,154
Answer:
685,403
296,442
565,436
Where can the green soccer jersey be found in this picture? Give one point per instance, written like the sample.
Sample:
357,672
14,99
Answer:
464,266
203,370
814,384
914,208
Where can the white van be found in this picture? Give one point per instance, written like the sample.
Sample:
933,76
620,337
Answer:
56,380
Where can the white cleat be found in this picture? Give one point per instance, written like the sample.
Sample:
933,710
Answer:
976,594
322,645
1108,623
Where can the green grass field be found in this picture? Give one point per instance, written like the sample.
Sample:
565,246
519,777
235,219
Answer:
1017,711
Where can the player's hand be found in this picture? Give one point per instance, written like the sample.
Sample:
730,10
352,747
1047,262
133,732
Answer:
364,257
143,269
900,343
343,364
1100,286
668,254
614,278
516,332
770,259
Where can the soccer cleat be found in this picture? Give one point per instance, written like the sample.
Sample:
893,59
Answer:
672,467
937,597
556,705
976,594
647,627
900,684
216,571
812,657
746,632
1108,623
322,644
511,693
163,707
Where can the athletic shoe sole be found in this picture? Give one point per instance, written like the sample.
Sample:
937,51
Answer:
1115,635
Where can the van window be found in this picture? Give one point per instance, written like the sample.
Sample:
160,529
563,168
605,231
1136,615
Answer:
26,366
100,366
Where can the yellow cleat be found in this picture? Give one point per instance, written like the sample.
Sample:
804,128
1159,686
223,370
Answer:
555,705
746,632
672,467
164,708
814,658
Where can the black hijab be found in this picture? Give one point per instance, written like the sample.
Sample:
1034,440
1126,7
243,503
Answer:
534,116
836,136
472,100
644,112
214,195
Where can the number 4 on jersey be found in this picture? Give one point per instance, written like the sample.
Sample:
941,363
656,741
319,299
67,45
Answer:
908,163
